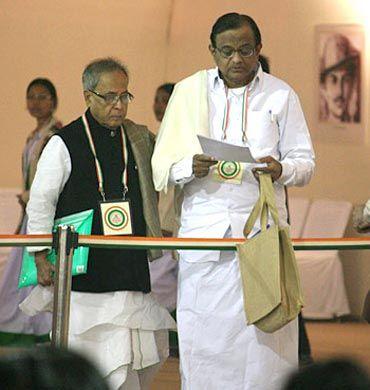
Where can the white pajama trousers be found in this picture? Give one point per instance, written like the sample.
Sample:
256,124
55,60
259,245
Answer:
218,350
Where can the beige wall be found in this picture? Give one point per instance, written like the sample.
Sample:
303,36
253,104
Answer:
56,39
166,40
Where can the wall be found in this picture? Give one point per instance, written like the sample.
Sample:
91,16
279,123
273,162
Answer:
166,40
56,39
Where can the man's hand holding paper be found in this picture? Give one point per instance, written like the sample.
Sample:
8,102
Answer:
201,165
215,151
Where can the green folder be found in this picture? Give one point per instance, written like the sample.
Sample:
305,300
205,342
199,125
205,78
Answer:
82,223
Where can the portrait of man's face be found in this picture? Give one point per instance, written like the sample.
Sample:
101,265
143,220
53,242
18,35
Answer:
339,80
337,89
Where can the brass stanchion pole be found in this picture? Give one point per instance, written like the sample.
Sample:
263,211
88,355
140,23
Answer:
64,243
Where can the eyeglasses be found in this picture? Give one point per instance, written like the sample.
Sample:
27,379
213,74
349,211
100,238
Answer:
112,98
228,52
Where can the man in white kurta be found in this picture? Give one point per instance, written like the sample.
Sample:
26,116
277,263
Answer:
217,349
113,319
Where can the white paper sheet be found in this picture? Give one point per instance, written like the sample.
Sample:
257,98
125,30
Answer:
223,151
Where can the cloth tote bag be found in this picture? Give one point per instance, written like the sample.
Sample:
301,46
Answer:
271,286
82,223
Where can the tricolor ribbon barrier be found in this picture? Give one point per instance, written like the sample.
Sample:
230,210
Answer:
299,244
65,240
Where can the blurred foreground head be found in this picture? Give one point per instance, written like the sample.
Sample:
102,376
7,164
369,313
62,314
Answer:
49,369
338,374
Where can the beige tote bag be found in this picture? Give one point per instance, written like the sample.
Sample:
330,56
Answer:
271,286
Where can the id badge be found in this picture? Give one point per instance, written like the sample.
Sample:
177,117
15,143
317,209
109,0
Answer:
116,217
228,172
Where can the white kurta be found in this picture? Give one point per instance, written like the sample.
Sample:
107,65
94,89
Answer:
218,350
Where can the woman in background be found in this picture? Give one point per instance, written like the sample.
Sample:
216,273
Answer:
16,328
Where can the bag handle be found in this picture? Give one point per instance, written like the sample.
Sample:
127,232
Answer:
267,189
265,203
253,216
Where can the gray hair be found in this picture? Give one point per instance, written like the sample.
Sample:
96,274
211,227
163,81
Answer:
93,71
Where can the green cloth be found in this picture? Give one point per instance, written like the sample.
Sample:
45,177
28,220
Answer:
22,340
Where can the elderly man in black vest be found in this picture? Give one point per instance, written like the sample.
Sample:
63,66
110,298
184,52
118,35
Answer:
101,161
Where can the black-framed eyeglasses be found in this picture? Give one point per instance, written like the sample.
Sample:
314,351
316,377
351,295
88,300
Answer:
112,98
228,51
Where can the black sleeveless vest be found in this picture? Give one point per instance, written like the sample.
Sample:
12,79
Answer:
108,269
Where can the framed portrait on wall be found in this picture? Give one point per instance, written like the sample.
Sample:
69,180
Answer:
339,53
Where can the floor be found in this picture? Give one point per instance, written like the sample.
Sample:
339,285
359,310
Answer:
328,339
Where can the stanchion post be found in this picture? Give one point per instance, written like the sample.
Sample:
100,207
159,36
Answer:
64,242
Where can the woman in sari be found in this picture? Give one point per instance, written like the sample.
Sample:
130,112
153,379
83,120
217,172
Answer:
16,328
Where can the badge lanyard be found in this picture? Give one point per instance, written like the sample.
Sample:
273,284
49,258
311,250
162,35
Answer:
225,121
231,171
115,214
99,172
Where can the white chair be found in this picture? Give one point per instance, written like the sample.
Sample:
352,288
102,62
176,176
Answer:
298,209
321,271
10,213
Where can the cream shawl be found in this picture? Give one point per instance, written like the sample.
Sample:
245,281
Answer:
186,116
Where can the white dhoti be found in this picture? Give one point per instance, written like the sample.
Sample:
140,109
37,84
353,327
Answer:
124,333
218,350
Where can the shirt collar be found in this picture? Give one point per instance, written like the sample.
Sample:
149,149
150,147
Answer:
217,82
